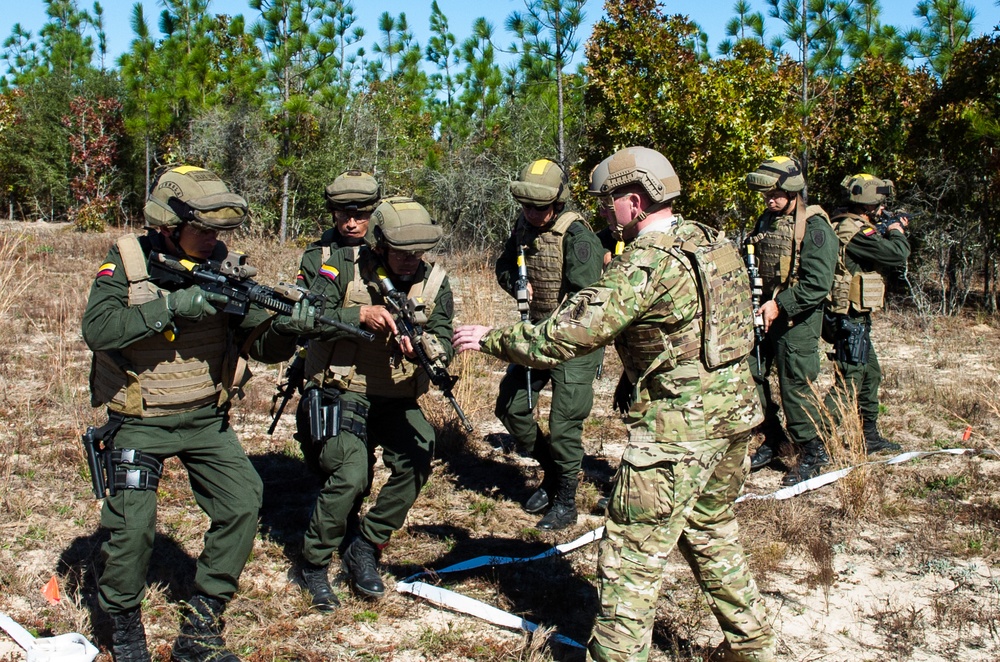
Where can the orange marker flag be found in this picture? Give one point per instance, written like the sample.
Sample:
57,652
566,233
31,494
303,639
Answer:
51,591
967,433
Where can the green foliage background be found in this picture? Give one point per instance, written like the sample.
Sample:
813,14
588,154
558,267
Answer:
281,101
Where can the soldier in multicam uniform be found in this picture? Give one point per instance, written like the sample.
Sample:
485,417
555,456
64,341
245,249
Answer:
167,365
562,256
369,394
694,404
858,291
797,254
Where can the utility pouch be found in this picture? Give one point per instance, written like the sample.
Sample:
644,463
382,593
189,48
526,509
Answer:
853,342
867,292
324,416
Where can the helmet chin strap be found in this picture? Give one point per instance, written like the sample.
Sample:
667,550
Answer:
619,230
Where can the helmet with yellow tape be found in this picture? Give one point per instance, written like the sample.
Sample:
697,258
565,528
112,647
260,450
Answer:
189,194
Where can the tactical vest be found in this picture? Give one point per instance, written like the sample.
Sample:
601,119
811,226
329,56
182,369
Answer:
861,292
778,248
544,260
156,376
377,367
721,334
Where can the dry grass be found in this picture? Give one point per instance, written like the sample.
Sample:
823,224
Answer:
929,529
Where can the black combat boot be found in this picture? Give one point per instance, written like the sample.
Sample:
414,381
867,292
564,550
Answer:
360,561
128,638
874,441
774,438
812,459
563,511
318,583
542,497
200,638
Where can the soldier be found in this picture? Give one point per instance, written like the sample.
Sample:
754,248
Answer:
797,253
693,406
858,291
366,396
562,256
351,198
167,365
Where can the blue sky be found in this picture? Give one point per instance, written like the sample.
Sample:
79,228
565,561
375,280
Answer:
712,15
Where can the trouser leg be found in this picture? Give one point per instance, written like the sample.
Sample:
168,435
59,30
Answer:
407,441
797,361
228,489
647,512
572,400
512,405
347,461
710,544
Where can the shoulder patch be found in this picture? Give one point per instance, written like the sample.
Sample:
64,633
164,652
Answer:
448,303
819,238
329,272
107,269
582,251
869,231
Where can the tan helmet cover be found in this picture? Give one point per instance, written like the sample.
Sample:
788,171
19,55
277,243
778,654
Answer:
636,165
353,190
865,189
404,224
540,183
777,172
188,194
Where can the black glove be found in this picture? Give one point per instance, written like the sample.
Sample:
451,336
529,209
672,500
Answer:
193,303
302,321
624,395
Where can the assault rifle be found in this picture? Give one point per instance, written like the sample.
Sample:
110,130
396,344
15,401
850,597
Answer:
756,293
887,218
521,295
405,312
232,277
294,377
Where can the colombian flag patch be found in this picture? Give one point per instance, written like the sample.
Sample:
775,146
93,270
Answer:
329,272
869,231
107,269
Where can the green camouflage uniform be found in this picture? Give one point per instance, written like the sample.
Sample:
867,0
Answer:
224,483
375,414
791,345
685,460
560,454
867,251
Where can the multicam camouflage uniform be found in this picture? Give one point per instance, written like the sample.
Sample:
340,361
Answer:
685,460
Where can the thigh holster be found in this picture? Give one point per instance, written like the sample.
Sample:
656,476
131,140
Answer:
135,470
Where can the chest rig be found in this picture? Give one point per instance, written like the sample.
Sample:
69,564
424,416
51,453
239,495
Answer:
778,244
543,257
855,291
194,366
376,367
720,334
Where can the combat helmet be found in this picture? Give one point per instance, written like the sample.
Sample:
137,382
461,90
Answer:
353,190
403,223
865,189
777,172
188,194
540,183
636,165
